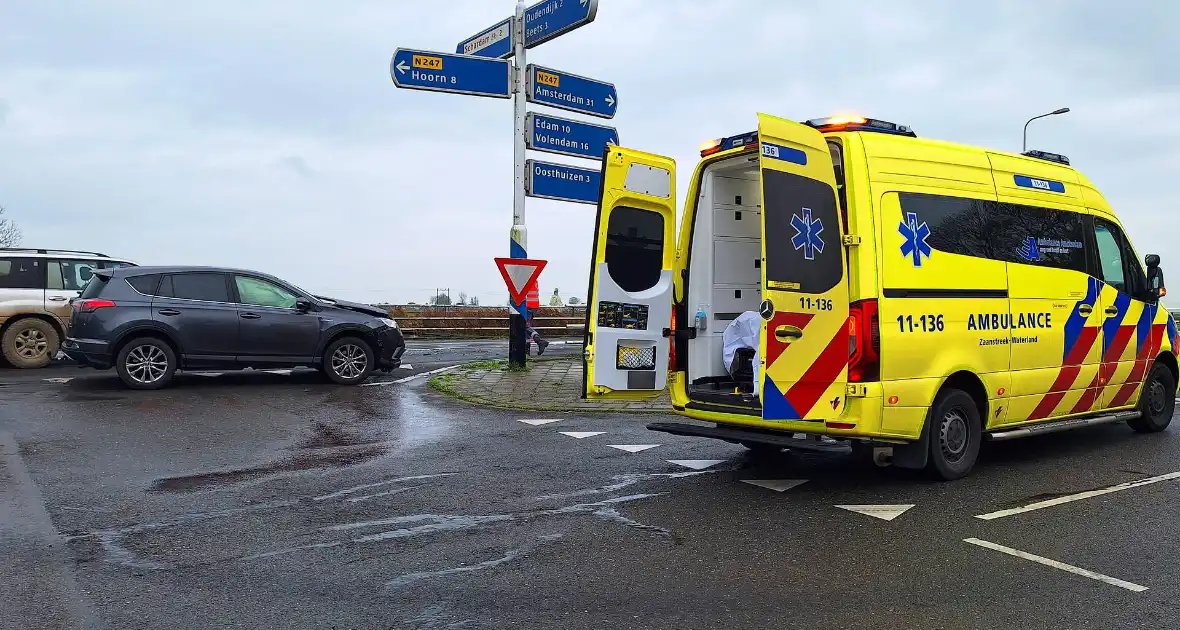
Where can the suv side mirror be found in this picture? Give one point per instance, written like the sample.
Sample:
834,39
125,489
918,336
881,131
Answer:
302,305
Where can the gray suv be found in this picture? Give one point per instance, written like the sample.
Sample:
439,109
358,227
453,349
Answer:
148,322
36,286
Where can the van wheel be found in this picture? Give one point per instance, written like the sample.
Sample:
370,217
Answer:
955,435
30,343
1157,402
348,361
146,363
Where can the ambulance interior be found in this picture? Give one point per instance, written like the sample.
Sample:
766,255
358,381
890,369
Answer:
725,277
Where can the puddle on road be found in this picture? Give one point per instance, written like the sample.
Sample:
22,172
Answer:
330,458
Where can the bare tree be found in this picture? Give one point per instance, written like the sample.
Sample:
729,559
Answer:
474,301
462,299
10,234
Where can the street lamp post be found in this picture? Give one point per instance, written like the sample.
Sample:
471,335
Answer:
1024,145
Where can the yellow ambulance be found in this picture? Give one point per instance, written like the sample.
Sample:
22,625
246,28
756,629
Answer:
913,297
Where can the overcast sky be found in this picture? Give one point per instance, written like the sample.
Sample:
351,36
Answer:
267,133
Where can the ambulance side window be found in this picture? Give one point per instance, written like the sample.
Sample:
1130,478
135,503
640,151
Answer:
634,248
1116,260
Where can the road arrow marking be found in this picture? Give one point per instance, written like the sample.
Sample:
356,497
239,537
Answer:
883,512
696,464
537,423
402,67
778,485
578,435
58,380
633,448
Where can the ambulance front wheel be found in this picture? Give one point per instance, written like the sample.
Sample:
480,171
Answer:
955,435
1157,402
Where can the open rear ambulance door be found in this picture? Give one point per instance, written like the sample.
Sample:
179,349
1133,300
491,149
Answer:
805,328
630,299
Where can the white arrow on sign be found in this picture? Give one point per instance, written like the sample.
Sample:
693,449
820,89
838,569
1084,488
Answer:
610,100
402,67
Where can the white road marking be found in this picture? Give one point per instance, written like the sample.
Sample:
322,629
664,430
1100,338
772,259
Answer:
1078,497
695,464
1130,586
410,378
633,448
406,366
366,497
537,423
59,380
581,435
378,484
778,485
883,512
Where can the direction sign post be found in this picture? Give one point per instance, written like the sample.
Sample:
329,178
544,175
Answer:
497,42
480,67
563,182
570,91
568,137
550,18
445,72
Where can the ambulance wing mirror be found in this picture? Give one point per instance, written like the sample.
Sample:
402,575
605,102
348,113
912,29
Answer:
1155,276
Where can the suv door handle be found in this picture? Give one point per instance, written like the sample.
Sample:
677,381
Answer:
1110,310
168,311
249,316
58,298
1085,309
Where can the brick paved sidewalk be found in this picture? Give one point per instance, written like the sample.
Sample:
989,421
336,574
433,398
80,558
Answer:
547,385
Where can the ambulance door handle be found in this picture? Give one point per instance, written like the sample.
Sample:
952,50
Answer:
1085,309
1112,311
788,332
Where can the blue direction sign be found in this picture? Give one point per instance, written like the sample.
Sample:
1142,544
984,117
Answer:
562,182
549,18
568,137
444,72
570,91
495,42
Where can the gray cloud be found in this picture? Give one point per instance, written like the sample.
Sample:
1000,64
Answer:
245,133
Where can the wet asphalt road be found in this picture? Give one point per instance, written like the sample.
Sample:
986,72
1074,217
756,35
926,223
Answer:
280,501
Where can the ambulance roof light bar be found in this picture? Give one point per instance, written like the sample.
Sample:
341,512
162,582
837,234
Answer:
860,123
1048,157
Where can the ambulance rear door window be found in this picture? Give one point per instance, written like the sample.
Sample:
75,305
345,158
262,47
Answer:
634,248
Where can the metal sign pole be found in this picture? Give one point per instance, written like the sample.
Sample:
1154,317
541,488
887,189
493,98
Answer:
518,344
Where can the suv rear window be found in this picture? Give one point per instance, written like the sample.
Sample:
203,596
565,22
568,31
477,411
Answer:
22,273
145,284
94,286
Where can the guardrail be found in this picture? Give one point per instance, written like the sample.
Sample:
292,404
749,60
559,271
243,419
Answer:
481,321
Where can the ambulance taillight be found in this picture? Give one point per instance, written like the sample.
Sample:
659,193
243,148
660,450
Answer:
864,342
672,344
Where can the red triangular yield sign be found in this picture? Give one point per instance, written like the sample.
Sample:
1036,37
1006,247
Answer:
520,274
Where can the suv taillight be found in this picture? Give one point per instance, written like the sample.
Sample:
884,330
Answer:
864,342
91,305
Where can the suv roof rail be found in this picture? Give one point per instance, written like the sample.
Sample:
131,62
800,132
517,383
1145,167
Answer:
28,250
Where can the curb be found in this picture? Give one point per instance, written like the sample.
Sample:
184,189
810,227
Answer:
437,385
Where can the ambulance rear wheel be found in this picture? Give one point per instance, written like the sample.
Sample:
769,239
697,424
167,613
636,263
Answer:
1157,402
955,434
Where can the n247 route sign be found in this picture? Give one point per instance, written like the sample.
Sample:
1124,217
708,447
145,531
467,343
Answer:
571,92
445,72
